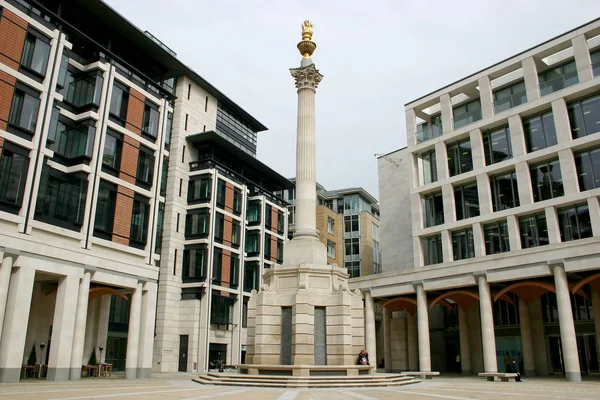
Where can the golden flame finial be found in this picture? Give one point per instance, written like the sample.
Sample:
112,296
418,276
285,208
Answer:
307,46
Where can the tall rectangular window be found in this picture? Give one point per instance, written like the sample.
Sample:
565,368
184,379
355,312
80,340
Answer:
584,116
164,175
557,78
462,244
217,265
353,268
466,200
24,111
139,222
105,210
330,224
267,247
14,164
496,238
253,212
71,142
251,276
113,145
219,227
235,234
546,179
118,102
467,113
221,188
588,169
351,225
505,192
199,189
197,224
460,159
279,251
434,209
352,249
145,167
268,216
595,58
330,249
534,231
253,243
432,250
150,120
509,96
36,50
195,258
61,199
280,222
574,223
237,201
540,131
429,130
429,167
221,310
160,219
496,145
168,130
234,266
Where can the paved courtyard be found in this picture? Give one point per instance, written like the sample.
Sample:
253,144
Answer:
179,386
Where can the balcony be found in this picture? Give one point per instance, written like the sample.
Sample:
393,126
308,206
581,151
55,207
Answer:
426,132
467,118
510,102
558,83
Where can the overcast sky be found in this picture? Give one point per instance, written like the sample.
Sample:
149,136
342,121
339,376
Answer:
375,56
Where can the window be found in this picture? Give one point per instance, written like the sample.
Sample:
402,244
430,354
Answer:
429,167
279,251
14,163
160,219
164,175
558,78
466,200
145,168
195,258
219,227
237,201
584,116
267,249
197,224
467,113
24,110
351,204
534,231
71,142
510,96
253,212
496,238
105,210
139,222
251,276
268,216
35,53
462,244
235,234
113,145
434,209
199,189
221,187
217,265
351,225
574,223
540,131
459,158
61,199
588,169
280,222
429,130
352,249
150,120
505,313
221,310
496,145
353,268
595,58
118,102
505,192
81,91
546,179
376,253
330,224
330,249
234,266
168,130
432,250
252,243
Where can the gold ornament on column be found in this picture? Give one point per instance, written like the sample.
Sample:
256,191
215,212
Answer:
307,46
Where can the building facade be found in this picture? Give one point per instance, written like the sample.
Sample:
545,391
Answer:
505,218
120,168
348,224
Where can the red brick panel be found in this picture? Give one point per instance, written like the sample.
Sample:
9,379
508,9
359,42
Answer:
273,248
7,88
227,230
123,211
1,145
135,111
12,37
129,159
274,216
229,197
226,268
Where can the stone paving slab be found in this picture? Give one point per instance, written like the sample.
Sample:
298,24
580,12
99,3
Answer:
173,386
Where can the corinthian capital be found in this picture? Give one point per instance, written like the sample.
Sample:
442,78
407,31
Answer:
306,77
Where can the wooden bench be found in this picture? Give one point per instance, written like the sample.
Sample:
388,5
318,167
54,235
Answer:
422,374
499,376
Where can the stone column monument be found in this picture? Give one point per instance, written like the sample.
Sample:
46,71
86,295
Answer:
304,314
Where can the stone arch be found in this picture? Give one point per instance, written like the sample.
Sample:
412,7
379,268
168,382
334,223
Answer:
464,298
97,291
403,303
527,291
592,280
